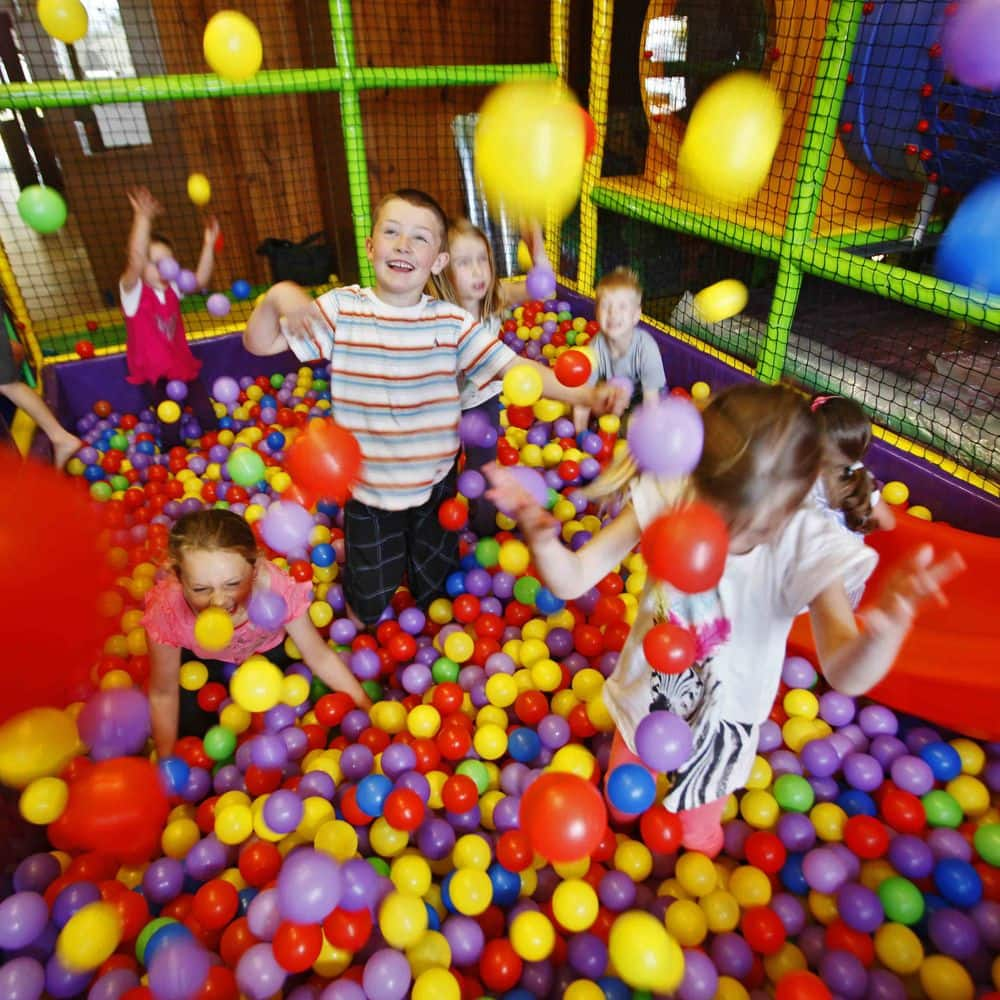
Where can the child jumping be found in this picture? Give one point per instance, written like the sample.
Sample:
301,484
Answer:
622,348
156,349
215,563
763,451
396,356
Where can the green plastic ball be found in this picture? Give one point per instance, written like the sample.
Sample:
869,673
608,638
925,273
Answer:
317,689
277,381
101,490
42,208
476,770
444,671
118,442
987,842
526,590
245,467
487,552
373,689
902,901
220,743
379,864
793,793
942,809
119,483
147,932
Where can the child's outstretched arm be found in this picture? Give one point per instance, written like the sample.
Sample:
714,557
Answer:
145,208
324,662
601,398
287,301
854,660
164,695
206,261
567,574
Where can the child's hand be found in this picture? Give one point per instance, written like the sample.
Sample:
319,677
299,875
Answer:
534,240
509,495
143,203
212,230
297,324
607,397
916,579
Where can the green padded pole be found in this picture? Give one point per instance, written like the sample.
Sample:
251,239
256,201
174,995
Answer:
820,135
342,27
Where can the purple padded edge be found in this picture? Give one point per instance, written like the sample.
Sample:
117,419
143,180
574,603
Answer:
959,504
72,387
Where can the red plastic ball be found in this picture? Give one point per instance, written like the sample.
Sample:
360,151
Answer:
453,514
669,648
572,368
763,930
325,460
866,837
564,816
687,547
661,830
297,946
84,348
404,809
765,851
802,985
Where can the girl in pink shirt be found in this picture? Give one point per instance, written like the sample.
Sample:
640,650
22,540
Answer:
156,348
215,562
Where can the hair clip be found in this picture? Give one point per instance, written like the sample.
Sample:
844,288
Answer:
819,401
856,467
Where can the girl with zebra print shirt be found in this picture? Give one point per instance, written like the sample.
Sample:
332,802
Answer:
763,451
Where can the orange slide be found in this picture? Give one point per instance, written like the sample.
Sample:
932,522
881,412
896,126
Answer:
948,671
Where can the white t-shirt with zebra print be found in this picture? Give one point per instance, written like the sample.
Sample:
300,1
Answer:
741,629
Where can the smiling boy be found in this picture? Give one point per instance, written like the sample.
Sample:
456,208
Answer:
395,356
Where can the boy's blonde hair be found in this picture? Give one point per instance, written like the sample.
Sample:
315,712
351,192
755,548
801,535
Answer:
442,285
620,277
420,199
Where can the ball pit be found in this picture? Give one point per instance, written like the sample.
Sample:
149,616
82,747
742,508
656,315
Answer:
454,841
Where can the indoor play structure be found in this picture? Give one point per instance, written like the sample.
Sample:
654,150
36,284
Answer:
879,145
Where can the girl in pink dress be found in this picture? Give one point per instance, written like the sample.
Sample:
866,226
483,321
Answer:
215,563
157,350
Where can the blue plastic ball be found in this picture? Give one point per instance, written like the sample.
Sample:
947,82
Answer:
524,744
275,440
455,584
506,884
547,602
958,882
967,251
322,554
241,289
855,802
943,760
792,877
373,790
631,788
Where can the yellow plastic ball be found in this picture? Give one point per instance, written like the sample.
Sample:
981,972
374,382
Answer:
178,837
730,989
829,820
435,984
338,839
972,796
37,743
522,385
198,189
402,918
501,690
386,839
232,46
686,921
802,703
759,809
644,954
257,684
65,20
471,891
895,493
193,675
700,391
213,629
89,937
514,557
722,911
490,742
788,958
423,722
760,774
44,800
731,138
168,412
696,873
573,759
971,754
459,647
583,989
439,611
471,851
721,300
920,512
529,147
532,936
575,904
750,886
389,716
634,859
944,978
898,949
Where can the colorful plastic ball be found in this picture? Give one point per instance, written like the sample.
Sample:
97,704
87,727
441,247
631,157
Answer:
958,881
168,412
898,949
731,138
665,437
89,937
232,46
43,208
532,936
944,978
324,460
225,389
902,901
564,816
217,305
240,289
794,793
199,190
540,282
669,648
84,348
213,629
963,254
245,467
644,954
35,744
523,385
542,118
631,788
941,809
44,800
987,843
721,301
187,281
572,368
970,42
802,985
687,547
65,20
664,741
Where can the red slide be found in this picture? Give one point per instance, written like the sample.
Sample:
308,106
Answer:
948,671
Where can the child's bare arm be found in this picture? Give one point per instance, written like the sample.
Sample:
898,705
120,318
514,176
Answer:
324,662
164,695
145,208
206,262
287,301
